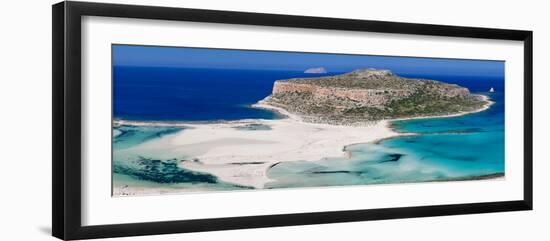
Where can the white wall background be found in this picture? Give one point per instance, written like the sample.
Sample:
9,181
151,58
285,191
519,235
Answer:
25,119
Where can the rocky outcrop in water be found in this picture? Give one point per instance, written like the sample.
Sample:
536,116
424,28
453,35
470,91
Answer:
369,94
318,70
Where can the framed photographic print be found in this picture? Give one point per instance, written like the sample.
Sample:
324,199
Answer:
170,120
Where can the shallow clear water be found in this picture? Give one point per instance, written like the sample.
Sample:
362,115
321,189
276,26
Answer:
137,165
443,149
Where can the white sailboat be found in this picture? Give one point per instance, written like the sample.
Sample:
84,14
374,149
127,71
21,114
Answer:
492,90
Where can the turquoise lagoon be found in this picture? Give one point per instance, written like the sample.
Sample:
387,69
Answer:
454,148
136,165
458,148
442,149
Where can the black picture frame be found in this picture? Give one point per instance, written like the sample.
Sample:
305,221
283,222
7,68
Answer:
66,158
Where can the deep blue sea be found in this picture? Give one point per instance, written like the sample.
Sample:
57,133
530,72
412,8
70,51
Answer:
182,94
446,148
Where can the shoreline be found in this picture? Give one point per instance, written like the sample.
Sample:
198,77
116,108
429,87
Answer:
120,122
244,157
262,105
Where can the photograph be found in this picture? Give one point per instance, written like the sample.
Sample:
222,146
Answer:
275,120
196,120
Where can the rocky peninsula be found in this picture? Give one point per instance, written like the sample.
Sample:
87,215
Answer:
326,115
368,95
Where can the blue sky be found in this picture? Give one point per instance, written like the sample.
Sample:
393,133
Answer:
130,55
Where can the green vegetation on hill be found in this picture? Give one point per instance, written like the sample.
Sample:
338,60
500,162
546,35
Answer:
382,95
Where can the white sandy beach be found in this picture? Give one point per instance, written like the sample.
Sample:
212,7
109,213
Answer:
243,157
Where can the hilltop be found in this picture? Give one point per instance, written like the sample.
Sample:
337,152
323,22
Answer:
370,95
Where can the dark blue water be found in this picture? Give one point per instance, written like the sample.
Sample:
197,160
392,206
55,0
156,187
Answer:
186,94
183,94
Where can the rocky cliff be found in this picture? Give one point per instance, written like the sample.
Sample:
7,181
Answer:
369,94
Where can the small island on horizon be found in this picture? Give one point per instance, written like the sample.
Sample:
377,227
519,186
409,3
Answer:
316,70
